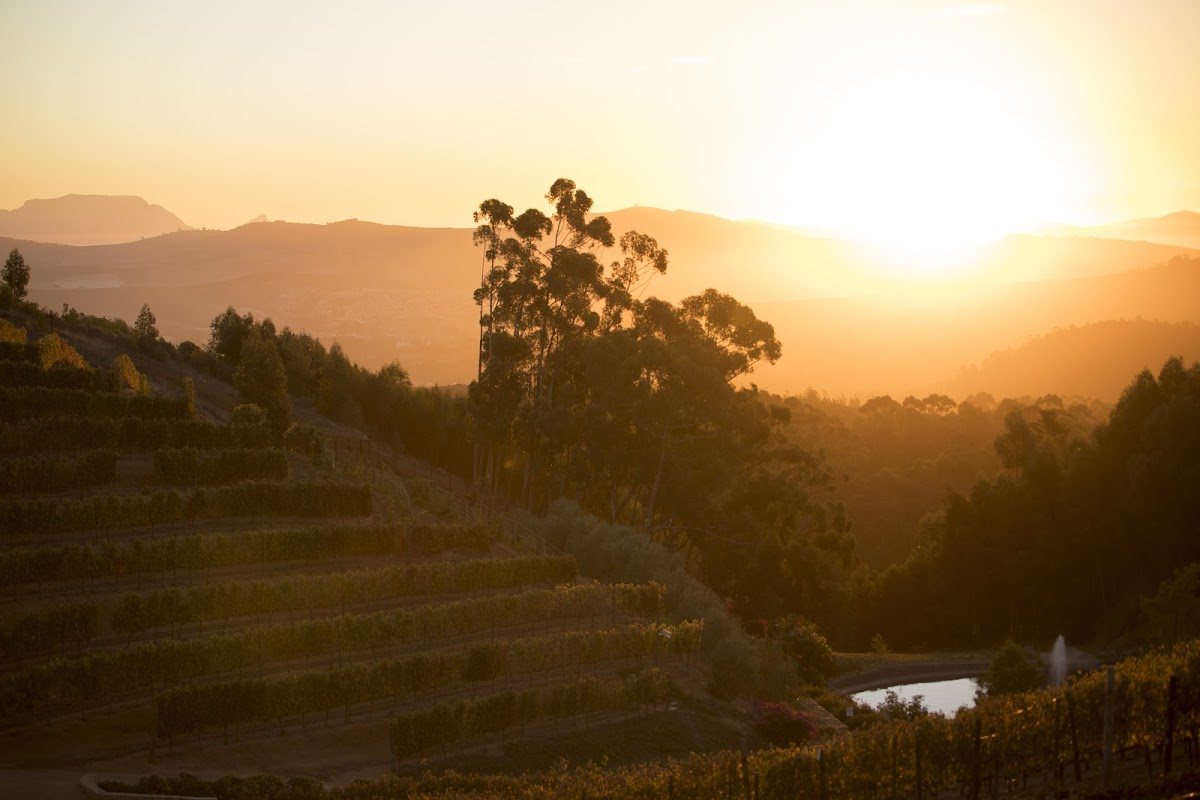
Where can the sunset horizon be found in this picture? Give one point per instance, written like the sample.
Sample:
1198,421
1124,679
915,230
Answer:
627,401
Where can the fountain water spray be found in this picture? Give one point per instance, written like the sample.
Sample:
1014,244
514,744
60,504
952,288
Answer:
1058,661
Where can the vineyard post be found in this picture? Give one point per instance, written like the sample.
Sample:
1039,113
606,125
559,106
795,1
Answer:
1110,680
975,765
745,775
895,747
1074,738
824,790
1169,742
1058,767
996,765
917,787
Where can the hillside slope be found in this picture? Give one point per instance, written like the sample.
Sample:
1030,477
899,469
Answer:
1092,360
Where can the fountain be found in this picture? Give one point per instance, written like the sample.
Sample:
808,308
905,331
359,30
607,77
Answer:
1058,661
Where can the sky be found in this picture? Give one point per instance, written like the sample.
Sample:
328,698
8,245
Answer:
883,121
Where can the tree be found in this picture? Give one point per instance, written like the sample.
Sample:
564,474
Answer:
1012,670
16,274
228,332
627,405
144,327
260,376
543,288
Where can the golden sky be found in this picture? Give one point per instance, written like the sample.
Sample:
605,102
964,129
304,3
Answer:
885,121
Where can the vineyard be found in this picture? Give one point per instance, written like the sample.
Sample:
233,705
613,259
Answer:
177,585
1136,726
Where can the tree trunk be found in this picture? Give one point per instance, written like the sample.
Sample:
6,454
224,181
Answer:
662,460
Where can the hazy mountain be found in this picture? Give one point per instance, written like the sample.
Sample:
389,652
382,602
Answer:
1182,228
897,343
392,292
83,219
1093,360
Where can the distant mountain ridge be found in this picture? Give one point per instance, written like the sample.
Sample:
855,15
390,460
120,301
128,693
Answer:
392,292
1093,360
88,219
1179,228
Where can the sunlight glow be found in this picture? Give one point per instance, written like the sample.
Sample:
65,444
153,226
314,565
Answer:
928,166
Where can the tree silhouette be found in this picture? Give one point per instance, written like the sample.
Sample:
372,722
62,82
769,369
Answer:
145,326
16,274
260,376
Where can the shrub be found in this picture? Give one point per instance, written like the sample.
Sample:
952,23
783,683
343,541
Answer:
783,723
127,376
808,649
11,333
55,351
1012,670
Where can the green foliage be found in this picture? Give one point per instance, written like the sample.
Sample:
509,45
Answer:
54,629
783,723
35,401
228,330
1069,538
879,644
620,553
49,473
189,709
248,414
304,439
16,274
55,351
303,499
628,406
137,612
260,376
895,461
99,677
20,351
11,333
189,398
127,377
192,552
1012,670
130,433
808,649
1173,613
443,725
189,466
145,327
894,708
25,373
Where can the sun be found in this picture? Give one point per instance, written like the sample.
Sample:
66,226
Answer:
926,166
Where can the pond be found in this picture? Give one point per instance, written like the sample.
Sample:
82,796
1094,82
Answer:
945,697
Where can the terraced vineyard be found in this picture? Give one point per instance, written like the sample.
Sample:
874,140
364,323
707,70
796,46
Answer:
179,590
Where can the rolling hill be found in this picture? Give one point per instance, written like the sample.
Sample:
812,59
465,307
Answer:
1181,228
1092,360
403,293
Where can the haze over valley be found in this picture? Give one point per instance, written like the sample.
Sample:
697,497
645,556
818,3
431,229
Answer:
850,325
